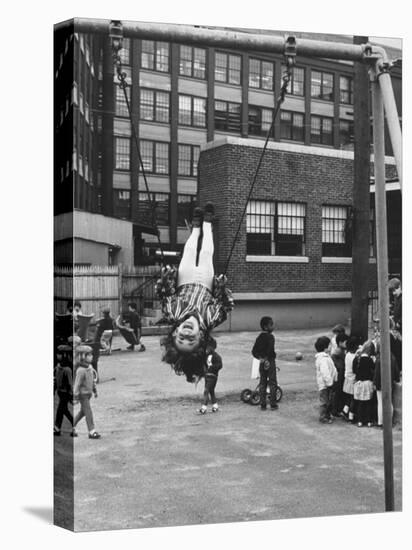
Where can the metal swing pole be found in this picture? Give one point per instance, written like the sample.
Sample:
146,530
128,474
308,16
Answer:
392,119
383,291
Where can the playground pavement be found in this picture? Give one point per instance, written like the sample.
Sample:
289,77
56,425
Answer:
159,463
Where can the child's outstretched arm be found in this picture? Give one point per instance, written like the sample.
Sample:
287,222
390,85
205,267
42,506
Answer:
166,285
221,293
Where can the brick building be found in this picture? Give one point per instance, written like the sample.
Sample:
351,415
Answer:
293,256
182,97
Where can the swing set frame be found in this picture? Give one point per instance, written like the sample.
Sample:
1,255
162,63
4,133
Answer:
383,103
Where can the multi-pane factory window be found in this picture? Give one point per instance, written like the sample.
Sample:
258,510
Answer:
157,204
192,111
154,105
259,120
336,235
346,134
346,90
155,156
321,130
122,153
185,205
121,106
260,74
275,228
124,53
227,116
227,68
121,204
192,62
296,84
292,126
322,85
188,158
155,56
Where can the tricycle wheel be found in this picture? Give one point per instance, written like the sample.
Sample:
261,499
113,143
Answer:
254,398
245,395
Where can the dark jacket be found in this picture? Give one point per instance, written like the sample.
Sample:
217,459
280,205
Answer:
377,378
264,347
213,364
363,367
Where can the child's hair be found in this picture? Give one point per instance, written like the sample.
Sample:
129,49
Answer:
77,304
191,364
132,305
338,329
265,322
106,311
394,283
368,348
352,343
341,337
322,343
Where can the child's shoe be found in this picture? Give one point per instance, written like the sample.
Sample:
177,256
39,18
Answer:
203,409
94,435
142,348
274,407
131,347
209,212
215,407
263,407
360,424
369,424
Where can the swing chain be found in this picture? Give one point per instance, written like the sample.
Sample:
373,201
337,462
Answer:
290,56
116,38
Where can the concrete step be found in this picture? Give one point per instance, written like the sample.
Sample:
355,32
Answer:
155,330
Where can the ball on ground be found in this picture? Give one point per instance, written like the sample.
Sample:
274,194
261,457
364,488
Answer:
298,356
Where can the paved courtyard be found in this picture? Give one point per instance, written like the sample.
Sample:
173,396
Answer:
159,463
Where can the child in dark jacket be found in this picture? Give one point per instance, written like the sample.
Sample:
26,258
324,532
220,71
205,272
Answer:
63,384
264,350
338,358
135,323
363,389
377,378
213,366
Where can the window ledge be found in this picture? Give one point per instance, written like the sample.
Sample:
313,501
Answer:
278,259
345,260
336,260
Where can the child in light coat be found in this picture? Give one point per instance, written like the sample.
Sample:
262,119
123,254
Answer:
326,377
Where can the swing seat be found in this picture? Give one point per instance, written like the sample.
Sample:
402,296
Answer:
83,322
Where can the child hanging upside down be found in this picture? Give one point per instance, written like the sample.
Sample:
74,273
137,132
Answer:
194,301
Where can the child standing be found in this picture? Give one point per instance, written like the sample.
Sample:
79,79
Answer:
63,383
213,366
338,358
136,325
363,387
377,379
349,381
84,387
337,329
264,350
326,376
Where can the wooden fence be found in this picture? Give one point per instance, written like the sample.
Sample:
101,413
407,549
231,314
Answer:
97,287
